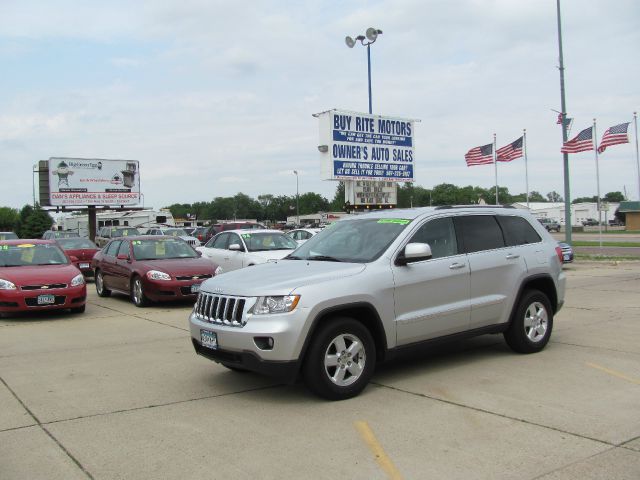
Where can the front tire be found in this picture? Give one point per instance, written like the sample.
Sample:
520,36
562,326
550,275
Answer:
532,323
79,309
341,359
100,288
138,297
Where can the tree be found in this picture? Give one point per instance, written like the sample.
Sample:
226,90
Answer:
36,221
9,219
554,196
312,202
337,204
615,197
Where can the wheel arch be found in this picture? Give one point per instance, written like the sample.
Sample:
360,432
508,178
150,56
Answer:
363,312
543,283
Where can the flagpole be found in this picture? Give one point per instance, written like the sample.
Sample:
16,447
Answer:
495,166
635,125
526,168
595,149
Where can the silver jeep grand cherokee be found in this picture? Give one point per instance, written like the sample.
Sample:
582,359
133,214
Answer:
371,285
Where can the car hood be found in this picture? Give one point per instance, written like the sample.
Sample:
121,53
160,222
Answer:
270,254
279,278
180,266
39,274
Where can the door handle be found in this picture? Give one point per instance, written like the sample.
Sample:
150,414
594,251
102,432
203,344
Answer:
456,266
511,256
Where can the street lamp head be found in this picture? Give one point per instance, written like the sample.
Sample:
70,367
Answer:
295,172
372,34
350,42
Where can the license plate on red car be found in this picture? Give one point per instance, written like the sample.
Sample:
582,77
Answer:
195,288
209,339
84,266
46,299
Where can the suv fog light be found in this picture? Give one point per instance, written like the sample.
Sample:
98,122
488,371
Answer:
263,343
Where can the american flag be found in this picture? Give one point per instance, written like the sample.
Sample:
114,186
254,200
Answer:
511,151
614,136
580,143
480,155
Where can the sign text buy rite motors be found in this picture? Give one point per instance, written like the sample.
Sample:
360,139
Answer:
368,147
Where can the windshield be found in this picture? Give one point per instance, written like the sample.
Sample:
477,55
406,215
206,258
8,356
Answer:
162,249
175,232
75,243
265,241
26,254
357,241
59,234
8,236
124,232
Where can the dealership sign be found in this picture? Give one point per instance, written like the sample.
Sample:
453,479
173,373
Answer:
359,146
82,181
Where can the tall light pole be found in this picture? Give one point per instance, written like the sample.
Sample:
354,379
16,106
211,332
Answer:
565,158
297,200
371,35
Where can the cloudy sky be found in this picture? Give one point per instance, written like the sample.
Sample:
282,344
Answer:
216,97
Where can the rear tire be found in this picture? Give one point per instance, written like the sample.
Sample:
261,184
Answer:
100,288
531,325
340,360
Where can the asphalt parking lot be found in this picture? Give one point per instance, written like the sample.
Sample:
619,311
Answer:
119,393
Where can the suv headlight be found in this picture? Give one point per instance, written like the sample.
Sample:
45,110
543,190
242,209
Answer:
6,285
157,275
275,304
77,280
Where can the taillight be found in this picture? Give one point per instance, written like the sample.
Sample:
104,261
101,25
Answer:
559,253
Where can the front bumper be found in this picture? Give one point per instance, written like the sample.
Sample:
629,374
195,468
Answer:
170,290
27,300
244,347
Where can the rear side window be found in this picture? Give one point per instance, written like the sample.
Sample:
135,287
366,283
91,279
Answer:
517,231
479,232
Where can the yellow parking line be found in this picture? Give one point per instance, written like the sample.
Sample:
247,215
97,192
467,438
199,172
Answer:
614,373
381,457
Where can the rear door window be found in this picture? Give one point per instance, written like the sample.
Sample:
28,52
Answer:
479,232
517,231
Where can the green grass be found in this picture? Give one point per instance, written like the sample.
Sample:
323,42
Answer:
603,258
583,243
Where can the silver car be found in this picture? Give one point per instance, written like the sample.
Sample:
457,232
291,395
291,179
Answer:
368,286
234,249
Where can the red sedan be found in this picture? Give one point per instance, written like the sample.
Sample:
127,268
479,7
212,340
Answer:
37,275
150,268
80,251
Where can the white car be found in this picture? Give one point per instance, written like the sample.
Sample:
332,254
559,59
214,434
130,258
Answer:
234,249
301,235
174,232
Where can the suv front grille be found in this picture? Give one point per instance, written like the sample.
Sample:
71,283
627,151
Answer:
220,309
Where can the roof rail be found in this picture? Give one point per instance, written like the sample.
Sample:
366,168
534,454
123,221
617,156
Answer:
446,207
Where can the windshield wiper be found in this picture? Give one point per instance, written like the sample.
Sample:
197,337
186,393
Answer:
324,258
292,257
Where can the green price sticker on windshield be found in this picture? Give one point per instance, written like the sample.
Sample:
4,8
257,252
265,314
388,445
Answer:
246,235
397,221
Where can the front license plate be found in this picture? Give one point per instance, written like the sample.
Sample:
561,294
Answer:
566,257
209,339
46,299
84,265
195,288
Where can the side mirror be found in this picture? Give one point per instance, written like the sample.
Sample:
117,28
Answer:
414,252
199,253
235,247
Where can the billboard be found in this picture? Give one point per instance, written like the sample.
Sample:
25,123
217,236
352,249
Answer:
372,193
82,181
360,146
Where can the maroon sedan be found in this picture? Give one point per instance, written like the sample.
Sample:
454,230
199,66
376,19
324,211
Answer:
150,268
80,251
37,275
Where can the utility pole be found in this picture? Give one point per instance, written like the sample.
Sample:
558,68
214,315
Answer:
563,103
